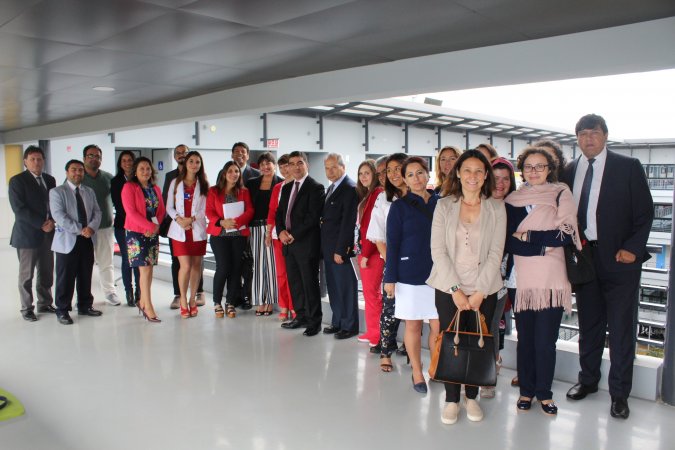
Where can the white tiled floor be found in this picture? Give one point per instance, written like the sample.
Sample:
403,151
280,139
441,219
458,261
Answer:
117,382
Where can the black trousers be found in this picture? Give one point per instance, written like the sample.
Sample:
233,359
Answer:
303,280
609,302
343,294
446,311
228,251
71,269
537,336
175,267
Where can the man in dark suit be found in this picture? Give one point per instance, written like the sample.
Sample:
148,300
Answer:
33,232
240,155
77,216
179,153
615,213
298,227
337,245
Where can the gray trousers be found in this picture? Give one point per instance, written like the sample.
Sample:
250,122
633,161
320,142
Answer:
41,257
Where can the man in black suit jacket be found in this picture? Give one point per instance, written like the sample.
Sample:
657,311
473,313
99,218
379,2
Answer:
33,232
615,213
298,227
337,245
179,153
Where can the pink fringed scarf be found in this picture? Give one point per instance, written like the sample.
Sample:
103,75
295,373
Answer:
542,280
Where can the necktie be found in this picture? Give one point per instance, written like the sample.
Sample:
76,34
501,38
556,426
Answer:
330,191
585,194
41,183
44,192
81,211
291,202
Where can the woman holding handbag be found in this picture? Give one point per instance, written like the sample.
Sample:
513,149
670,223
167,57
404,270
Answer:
186,205
467,243
542,218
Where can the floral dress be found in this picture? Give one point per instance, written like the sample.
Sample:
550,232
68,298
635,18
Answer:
143,250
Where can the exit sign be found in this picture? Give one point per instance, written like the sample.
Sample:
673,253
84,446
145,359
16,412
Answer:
273,143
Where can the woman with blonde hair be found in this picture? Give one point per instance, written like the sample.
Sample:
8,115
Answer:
445,162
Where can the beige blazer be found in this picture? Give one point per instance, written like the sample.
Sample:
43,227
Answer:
493,237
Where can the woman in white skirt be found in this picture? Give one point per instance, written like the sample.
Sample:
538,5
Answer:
408,263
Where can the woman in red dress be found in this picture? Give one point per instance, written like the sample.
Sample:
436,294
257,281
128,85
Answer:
186,204
370,264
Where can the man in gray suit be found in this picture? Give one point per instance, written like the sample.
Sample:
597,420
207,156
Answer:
78,216
32,232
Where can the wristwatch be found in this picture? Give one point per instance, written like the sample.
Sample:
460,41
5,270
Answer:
454,288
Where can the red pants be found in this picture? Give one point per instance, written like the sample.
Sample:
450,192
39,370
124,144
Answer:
371,280
282,280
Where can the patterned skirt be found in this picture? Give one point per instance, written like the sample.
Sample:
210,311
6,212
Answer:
142,250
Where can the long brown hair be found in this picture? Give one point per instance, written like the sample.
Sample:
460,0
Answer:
222,181
440,176
200,175
364,191
452,184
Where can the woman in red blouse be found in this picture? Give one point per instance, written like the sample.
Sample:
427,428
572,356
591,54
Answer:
228,234
371,265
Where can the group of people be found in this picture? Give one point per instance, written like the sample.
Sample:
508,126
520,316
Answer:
475,242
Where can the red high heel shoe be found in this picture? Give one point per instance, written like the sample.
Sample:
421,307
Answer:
185,313
193,308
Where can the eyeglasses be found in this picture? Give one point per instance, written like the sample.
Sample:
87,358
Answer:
93,156
537,167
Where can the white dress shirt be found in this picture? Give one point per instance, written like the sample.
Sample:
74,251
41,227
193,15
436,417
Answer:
591,231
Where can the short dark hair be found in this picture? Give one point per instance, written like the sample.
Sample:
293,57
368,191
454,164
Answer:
73,161
89,147
187,149
33,149
529,151
283,159
241,144
119,159
267,156
137,162
297,154
391,190
453,185
589,122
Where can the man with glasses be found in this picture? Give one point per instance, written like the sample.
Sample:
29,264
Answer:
615,213
33,232
99,180
298,227
179,153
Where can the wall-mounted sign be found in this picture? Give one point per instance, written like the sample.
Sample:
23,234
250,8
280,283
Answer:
160,165
273,143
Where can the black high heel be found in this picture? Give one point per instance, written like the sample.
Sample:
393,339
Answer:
420,387
407,359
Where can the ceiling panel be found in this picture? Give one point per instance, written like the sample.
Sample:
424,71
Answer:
52,52
261,13
173,33
79,21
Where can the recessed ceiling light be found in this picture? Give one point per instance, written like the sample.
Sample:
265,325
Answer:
103,88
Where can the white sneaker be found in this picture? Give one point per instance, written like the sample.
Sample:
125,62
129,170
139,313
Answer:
112,299
450,413
473,411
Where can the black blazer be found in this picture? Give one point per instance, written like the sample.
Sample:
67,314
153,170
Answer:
339,220
625,210
30,204
168,178
249,173
305,216
116,185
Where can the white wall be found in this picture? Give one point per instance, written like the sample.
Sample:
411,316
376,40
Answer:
63,150
385,138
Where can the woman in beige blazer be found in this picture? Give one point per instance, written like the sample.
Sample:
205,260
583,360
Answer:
467,243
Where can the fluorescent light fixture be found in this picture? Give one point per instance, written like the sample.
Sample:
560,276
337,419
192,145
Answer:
103,88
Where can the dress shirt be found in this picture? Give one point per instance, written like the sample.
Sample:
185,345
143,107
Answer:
591,231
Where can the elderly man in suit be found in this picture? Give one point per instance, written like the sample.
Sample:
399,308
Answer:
337,245
298,227
615,213
77,215
33,232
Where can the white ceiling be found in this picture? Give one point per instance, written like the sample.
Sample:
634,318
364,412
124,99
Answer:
53,52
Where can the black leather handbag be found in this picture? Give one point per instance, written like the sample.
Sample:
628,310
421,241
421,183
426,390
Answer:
465,357
579,264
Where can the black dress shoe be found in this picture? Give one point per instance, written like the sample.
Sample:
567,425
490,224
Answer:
64,319
376,349
344,334
246,306
619,408
293,324
46,309
29,316
311,331
580,391
524,405
131,301
90,312
331,330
